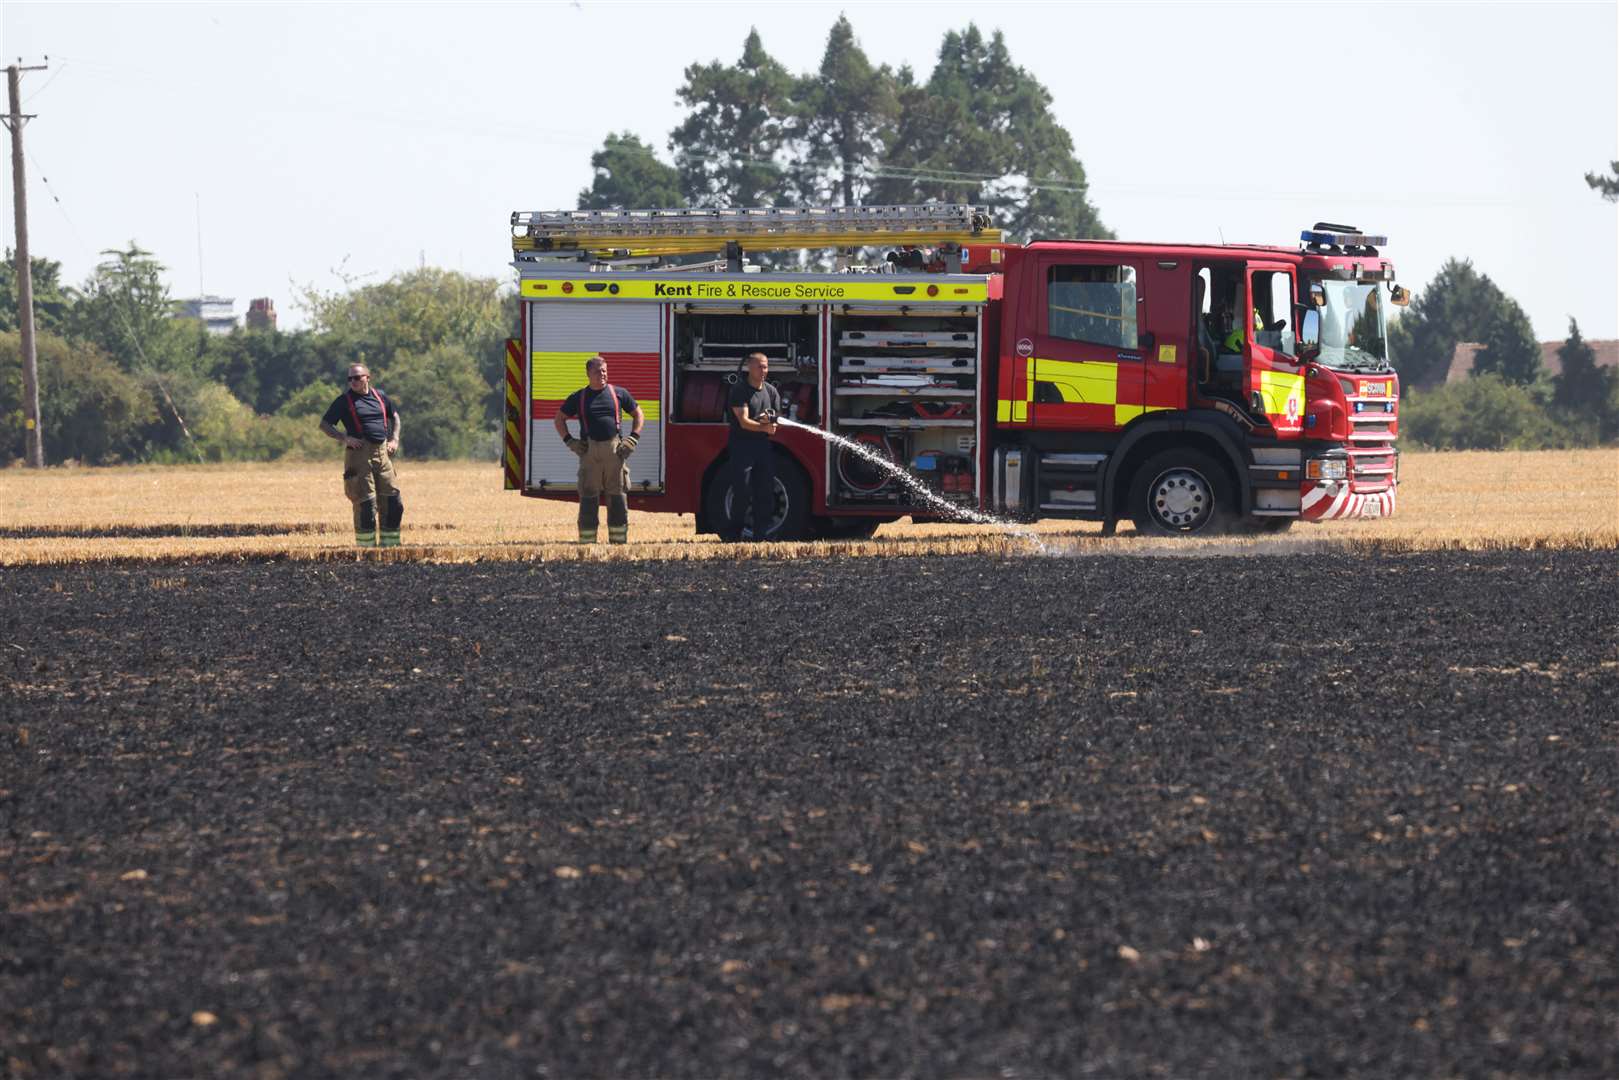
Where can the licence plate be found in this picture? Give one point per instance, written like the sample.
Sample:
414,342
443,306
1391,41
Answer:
1371,508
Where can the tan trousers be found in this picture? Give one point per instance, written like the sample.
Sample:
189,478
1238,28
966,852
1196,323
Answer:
603,472
371,484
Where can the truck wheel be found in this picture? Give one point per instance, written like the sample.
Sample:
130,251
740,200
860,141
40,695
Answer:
1179,493
790,520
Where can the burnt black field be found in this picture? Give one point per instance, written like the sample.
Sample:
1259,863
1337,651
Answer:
1306,815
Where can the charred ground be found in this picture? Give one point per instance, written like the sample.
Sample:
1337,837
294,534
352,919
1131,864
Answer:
1110,815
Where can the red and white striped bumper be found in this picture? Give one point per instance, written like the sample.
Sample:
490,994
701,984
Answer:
1325,501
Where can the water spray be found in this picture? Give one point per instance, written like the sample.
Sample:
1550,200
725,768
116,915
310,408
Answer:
945,507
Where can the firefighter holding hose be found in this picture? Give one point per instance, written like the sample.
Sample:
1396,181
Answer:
604,450
370,440
751,412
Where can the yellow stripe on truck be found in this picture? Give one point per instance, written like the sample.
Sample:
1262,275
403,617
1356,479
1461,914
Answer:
752,289
558,374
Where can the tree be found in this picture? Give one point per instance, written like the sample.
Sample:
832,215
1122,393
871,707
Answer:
1510,349
1584,390
51,298
1581,385
845,118
1606,186
981,131
90,410
1460,304
413,313
125,309
629,175
266,367
441,398
728,148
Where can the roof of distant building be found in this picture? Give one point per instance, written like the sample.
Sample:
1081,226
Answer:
1461,359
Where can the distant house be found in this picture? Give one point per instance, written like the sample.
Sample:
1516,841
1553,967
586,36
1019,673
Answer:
261,314
218,313
1461,360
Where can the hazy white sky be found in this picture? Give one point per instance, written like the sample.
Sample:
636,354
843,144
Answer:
364,138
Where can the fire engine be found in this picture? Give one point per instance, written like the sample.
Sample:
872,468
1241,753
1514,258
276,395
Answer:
1186,388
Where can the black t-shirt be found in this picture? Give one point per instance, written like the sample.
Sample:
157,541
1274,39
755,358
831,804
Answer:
758,402
601,420
368,409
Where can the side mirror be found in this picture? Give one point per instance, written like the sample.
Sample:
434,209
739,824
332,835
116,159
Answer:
1310,328
1399,296
1318,295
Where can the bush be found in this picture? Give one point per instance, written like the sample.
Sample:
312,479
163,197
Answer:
1483,413
90,410
441,400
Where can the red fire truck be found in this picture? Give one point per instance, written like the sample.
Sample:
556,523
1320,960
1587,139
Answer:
1186,388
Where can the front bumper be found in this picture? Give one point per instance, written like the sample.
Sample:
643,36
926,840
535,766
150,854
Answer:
1368,491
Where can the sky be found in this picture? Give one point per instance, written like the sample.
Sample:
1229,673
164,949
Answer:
259,149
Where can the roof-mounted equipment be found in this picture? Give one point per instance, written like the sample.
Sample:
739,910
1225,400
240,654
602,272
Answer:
1327,238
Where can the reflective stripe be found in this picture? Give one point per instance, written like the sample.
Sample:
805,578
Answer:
514,415
556,377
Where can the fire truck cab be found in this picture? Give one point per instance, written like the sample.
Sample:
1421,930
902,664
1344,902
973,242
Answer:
1186,388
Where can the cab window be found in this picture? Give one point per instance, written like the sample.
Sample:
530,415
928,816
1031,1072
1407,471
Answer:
1273,308
1095,304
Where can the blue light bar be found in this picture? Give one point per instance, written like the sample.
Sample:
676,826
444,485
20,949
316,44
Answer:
1338,239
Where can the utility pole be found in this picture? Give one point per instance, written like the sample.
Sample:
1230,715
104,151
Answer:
34,445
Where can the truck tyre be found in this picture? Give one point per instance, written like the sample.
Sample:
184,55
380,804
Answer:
791,519
1181,493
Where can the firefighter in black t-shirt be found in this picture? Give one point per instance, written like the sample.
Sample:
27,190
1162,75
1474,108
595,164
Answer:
603,448
751,412
370,439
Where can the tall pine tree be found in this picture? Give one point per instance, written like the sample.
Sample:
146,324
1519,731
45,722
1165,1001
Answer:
846,113
981,131
730,148
1582,387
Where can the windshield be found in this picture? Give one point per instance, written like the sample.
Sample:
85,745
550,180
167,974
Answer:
1353,332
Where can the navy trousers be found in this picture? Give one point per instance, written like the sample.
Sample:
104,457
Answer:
757,490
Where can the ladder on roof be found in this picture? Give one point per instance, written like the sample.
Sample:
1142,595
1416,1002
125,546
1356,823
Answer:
630,233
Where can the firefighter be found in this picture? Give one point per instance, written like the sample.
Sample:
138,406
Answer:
603,448
751,412
370,439
1233,341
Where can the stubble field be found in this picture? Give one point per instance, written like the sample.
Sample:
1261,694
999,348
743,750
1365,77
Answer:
457,512
1340,803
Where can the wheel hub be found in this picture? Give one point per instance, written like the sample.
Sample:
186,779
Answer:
1182,499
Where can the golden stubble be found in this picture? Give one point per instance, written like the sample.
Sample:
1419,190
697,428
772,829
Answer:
457,512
